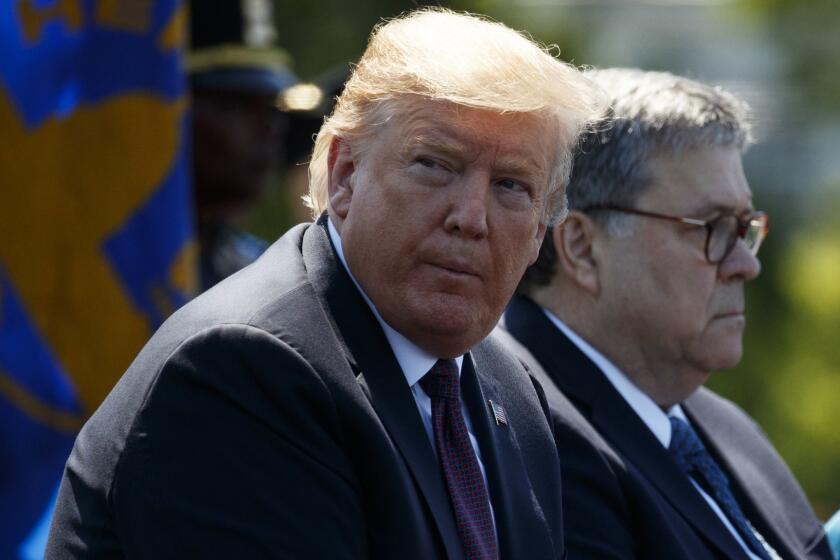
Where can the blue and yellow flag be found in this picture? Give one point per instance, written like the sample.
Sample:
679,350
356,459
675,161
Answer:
96,237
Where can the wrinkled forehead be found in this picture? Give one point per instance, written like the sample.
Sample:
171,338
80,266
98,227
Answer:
520,140
700,181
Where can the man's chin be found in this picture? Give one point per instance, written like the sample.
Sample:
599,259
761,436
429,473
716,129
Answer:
726,358
452,328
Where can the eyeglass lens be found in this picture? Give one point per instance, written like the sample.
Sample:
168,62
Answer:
722,237
725,233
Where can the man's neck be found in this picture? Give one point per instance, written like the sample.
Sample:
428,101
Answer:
413,360
666,384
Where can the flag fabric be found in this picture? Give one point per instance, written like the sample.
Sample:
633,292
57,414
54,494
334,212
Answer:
96,237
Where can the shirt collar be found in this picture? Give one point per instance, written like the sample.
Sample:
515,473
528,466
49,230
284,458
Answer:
414,361
654,417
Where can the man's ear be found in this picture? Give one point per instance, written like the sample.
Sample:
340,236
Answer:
341,166
573,241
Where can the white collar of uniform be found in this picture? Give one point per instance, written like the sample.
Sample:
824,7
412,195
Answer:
414,361
654,417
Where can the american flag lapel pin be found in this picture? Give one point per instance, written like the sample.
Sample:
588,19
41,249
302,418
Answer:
498,413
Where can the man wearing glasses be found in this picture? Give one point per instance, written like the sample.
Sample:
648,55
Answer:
632,303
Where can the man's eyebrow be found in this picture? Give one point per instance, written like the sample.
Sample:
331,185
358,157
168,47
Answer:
523,166
436,140
445,140
512,164
710,208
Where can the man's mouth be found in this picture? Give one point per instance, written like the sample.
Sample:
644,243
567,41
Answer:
456,267
735,314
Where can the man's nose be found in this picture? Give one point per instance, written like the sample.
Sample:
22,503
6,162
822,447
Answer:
740,264
467,214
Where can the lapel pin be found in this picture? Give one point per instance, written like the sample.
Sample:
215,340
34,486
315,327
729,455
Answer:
498,413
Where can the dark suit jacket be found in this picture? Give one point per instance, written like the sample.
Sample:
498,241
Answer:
631,501
269,418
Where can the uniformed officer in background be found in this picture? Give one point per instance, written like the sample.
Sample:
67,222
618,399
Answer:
251,116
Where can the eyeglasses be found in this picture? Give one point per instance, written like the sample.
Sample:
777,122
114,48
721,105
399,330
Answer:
721,233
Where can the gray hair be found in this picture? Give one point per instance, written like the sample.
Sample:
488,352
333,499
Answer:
651,113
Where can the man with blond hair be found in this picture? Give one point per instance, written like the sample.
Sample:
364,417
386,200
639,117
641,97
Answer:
341,398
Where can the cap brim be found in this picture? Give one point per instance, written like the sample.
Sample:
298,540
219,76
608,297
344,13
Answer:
251,80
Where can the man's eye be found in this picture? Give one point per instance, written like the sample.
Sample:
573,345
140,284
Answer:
431,171
511,185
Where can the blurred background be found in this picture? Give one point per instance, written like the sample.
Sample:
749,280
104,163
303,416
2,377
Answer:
123,124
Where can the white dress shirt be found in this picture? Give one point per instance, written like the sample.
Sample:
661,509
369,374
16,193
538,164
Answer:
650,413
415,363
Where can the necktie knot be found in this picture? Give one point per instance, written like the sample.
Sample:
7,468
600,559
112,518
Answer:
442,381
686,448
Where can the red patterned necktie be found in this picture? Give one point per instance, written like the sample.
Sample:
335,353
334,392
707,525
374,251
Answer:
459,464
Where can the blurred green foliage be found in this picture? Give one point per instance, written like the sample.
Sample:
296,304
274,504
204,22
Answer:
789,380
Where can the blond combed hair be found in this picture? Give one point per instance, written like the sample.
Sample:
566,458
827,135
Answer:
463,59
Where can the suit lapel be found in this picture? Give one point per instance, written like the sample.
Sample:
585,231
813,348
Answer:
585,384
395,405
614,418
748,486
380,375
500,453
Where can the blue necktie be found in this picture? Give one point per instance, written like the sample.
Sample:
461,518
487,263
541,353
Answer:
693,459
